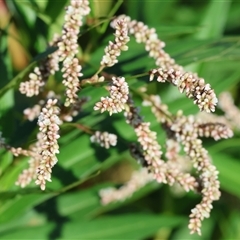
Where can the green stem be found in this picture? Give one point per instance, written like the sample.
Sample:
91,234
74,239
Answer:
75,184
81,127
111,13
146,97
221,146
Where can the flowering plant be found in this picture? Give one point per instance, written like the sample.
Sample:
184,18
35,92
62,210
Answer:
69,92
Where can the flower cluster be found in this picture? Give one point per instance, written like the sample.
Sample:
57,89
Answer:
33,153
68,48
203,117
53,59
138,179
48,122
118,97
42,153
30,173
104,139
193,86
71,71
172,167
19,151
40,74
163,172
172,151
151,151
186,132
232,113
113,50
33,113
215,130
159,109
177,161
35,83
148,36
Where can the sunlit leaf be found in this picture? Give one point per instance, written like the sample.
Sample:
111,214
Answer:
127,226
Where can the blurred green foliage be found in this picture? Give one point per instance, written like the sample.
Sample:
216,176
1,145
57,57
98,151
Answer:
203,36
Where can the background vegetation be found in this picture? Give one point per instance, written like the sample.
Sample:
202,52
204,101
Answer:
203,36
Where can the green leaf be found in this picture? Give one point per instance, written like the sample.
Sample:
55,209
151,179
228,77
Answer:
230,226
229,169
30,232
6,160
86,203
153,11
213,25
53,10
222,78
30,219
78,203
127,226
19,205
10,175
6,102
5,59
27,12
192,51
206,229
173,30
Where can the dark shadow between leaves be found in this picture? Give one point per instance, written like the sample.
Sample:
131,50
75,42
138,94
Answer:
50,209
